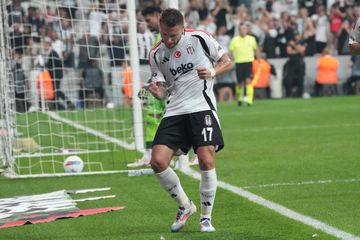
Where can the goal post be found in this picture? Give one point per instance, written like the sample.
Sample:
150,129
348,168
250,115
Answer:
134,56
69,81
6,121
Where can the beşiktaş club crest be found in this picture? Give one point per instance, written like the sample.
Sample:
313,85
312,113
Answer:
177,54
208,121
190,50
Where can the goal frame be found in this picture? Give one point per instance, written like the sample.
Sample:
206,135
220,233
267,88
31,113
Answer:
7,100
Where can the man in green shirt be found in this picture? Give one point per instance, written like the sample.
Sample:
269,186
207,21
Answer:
152,16
153,108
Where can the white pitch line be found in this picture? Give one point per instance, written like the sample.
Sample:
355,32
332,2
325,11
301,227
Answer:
91,131
239,191
302,183
279,208
294,127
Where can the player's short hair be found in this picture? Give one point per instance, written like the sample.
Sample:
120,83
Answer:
172,17
151,10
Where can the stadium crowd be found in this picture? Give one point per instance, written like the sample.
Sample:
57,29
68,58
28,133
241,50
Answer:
93,34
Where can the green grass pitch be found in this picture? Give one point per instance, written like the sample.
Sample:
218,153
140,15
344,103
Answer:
301,154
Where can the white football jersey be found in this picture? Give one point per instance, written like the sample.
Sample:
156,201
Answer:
355,32
177,68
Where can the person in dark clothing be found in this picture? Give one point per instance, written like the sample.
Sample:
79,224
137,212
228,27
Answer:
84,51
92,89
55,66
16,13
220,12
343,38
117,50
352,84
21,103
18,39
294,69
37,23
285,32
269,45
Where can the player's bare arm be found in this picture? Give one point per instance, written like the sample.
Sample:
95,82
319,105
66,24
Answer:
354,48
223,65
158,90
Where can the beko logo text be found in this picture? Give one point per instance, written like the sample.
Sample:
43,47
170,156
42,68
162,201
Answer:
182,69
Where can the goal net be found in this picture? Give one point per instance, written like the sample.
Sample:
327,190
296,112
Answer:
68,78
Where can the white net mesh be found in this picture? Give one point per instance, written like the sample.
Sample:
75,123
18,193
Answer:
69,84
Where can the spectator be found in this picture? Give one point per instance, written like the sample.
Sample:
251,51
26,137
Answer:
16,13
343,38
311,5
50,15
117,50
68,39
241,15
203,9
292,29
322,28
336,18
84,51
37,23
221,13
96,19
354,39
350,13
245,3
269,45
192,15
92,86
307,31
256,30
20,83
225,83
207,25
263,18
55,66
352,85
70,7
278,7
145,41
18,39
327,79
272,34
57,44
294,68
292,6
283,33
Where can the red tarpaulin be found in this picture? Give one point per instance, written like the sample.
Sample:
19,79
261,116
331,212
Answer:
52,216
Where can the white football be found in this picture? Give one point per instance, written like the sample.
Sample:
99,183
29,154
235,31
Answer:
73,164
110,105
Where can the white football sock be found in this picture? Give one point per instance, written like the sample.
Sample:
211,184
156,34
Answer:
183,161
171,183
208,185
147,154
